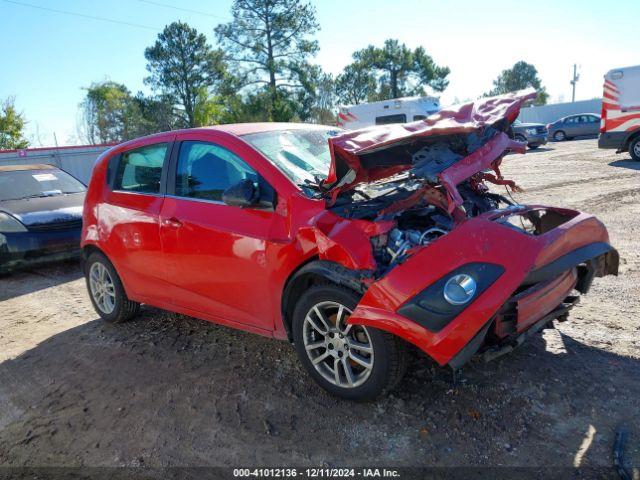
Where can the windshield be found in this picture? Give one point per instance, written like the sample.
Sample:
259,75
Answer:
301,154
19,184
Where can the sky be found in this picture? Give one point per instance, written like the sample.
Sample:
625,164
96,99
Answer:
48,58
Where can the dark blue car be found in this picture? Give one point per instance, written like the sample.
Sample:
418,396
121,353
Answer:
40,215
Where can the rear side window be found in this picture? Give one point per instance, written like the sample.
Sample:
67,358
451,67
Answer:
386,119
140,170
206,170
419,117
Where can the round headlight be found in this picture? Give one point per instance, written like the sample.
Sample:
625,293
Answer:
459,289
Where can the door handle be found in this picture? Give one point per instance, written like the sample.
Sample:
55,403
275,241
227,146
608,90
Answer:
172,222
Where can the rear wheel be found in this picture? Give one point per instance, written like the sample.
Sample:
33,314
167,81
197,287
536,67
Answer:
559,136
106,291
351,361
533,147
634,149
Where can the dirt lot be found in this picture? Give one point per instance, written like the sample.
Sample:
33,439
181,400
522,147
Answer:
167,390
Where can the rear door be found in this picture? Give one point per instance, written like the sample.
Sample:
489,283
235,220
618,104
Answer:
130,216
570,126
216,253
594,125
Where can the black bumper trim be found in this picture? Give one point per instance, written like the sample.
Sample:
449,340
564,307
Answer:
613,140
561,312
575,258
431,311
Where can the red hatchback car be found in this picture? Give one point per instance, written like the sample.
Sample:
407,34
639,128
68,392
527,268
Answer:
348,244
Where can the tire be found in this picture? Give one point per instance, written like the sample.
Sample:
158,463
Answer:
559,136
634,149
387,359
533,147
122,309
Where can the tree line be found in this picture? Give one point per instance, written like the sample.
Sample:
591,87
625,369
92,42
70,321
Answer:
260,70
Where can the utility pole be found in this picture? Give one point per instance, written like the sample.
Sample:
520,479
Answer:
573,82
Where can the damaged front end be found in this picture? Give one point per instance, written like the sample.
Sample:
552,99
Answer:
453,267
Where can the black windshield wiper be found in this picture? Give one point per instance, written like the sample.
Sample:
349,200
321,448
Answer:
35,195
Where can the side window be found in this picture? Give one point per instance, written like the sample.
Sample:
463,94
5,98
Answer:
419,117
593,118
571,120
206,170
140,170
386,119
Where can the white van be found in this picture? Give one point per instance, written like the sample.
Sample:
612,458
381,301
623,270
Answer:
620,119
397,110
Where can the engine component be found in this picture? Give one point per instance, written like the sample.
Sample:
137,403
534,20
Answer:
402,240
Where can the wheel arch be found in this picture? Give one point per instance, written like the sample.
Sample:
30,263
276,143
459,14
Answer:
630,138
313,272
91,248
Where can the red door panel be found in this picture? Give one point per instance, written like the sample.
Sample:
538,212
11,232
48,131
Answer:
130,221
216,256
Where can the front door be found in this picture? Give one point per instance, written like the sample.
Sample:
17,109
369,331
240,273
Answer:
216,253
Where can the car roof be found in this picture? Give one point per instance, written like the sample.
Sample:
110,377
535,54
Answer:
35,166
240,129
584,113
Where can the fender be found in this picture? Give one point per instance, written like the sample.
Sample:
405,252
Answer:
310,273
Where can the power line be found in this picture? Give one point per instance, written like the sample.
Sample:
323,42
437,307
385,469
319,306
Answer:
91,17
165,5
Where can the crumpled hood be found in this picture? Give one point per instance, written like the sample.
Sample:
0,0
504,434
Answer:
373,153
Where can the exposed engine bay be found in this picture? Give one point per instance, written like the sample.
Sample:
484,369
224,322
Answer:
415,199
418,224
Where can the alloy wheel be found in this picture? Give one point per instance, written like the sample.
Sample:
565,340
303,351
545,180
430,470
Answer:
636,149
342,354
102,288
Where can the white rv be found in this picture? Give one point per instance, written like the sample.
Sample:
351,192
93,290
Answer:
620,119
397,110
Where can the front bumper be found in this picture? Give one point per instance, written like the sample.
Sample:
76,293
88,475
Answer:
18,250
537,139
539,273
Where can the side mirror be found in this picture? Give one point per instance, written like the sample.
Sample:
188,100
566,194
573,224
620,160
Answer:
242,194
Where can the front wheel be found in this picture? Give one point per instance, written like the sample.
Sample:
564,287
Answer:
106,291
350,361
634,149
559,136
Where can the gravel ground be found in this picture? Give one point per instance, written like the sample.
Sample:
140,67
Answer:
168,390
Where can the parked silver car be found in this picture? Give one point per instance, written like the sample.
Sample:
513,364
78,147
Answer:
567,128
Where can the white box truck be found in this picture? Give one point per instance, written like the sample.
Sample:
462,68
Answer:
620,118
397,110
